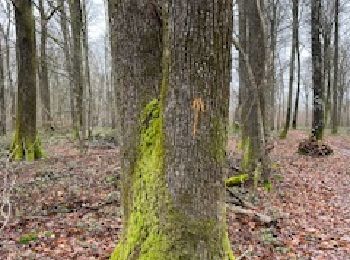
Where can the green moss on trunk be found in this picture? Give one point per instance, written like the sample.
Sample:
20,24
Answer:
236,180
26,148
155,229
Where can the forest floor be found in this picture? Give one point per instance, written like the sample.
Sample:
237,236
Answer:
66,206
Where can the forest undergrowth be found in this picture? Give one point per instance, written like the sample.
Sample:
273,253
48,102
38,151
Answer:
67,205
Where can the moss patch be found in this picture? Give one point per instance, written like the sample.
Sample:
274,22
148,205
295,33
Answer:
143,237
155,230
27,238
27,148
283,134
236,180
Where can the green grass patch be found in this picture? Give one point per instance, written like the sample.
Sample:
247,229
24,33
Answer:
27,238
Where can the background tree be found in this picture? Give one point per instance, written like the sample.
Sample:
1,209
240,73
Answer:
335,121
26,143
77,27
254,56
67,57
317,76
292,66
2,91
297,48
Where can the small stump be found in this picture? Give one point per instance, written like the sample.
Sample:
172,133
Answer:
314,147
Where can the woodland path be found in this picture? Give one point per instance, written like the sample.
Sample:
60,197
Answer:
67,206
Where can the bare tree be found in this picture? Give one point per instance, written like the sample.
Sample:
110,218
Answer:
2,90
335,121
292,66
26,143
77,28
317,76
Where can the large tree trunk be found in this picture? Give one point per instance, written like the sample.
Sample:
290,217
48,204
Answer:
174,113
26,144
43,72
317,77
291,68
77,27
335,121
67,56
2,95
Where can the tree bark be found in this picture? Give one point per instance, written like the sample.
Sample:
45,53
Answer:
26,143
11,86
306,106
77,28
242,21
2,95
273,24
87,69
173,119
291,68
327,70
317,77
348,107
67,56
253,106
297,46
335,121
43,71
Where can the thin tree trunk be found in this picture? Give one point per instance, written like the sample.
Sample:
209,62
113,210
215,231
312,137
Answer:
348,107
114,85
242,67
77,28
88,124
306,106
281,98
318,106
296,105
43,70
11,86
335,121
67,56
26,144
291,68
273,69
2,94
